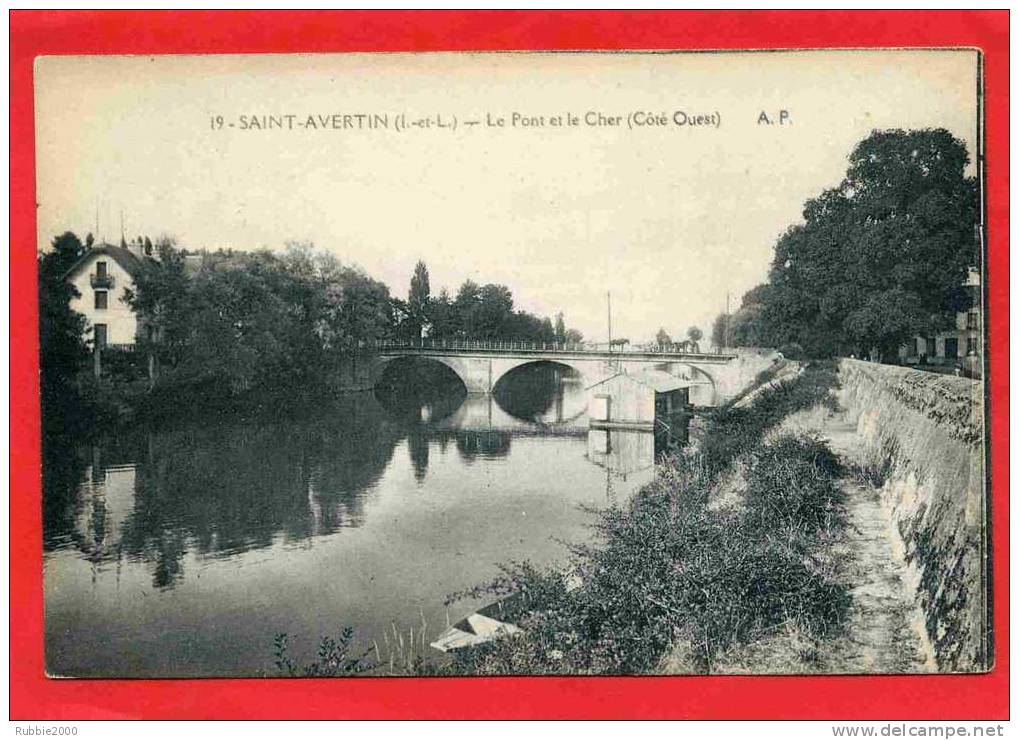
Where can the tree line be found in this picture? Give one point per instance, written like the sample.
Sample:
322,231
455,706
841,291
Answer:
477,312
878,259
239,323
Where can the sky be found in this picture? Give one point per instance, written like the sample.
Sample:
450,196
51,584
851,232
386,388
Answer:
669,218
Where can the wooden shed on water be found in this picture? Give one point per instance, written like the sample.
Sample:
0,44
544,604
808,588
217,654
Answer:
635,401
650,400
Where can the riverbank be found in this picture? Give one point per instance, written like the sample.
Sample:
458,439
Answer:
827,523
127,398
676,583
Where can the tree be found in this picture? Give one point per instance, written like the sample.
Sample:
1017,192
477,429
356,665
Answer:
419,297
560,328
161,298
662,338
465,308
442,316
882,256
493,312
546,333
360,307
62,348
694,334
747,328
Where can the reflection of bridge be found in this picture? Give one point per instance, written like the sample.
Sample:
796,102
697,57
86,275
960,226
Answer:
481,364
484,414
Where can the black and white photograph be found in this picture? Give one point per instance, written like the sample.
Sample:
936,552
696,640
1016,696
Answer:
513,363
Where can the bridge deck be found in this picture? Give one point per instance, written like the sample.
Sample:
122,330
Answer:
540,351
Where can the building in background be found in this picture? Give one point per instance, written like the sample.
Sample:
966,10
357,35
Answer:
959,348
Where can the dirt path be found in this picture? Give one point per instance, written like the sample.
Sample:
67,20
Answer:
885,633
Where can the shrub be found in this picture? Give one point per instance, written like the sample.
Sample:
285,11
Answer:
732,431
333,657
792,482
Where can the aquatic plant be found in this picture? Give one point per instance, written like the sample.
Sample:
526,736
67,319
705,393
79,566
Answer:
332,658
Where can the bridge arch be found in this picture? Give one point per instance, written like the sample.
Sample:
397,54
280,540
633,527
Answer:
380,364
501,370
705,393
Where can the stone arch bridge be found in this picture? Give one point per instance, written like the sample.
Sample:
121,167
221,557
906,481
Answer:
480,365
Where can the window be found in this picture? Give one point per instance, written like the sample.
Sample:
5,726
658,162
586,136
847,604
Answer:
973,320
100,335
971,346
101,269
914,349
951,347
101,299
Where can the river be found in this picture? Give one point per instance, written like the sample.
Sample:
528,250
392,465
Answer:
183,551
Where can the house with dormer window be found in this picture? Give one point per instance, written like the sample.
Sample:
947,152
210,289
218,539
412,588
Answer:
102,277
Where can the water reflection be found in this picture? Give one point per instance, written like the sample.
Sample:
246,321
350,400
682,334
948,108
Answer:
226,489
181,551
542,393
627,457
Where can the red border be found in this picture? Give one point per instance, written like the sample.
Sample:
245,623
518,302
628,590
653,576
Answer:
159,32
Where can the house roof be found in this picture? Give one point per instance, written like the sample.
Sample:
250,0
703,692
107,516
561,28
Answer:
659,380
123,257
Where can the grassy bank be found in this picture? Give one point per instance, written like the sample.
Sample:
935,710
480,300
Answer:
673,574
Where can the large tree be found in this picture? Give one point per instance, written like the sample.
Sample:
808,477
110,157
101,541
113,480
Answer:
465,308
494,311
747,326
883,256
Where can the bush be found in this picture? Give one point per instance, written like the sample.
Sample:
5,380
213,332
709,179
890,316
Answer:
732,431
792,484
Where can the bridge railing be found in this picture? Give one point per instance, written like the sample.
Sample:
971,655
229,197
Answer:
498,345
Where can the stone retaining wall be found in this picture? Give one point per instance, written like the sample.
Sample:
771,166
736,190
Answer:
924,433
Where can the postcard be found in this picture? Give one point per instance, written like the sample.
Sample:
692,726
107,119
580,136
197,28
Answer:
575,363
